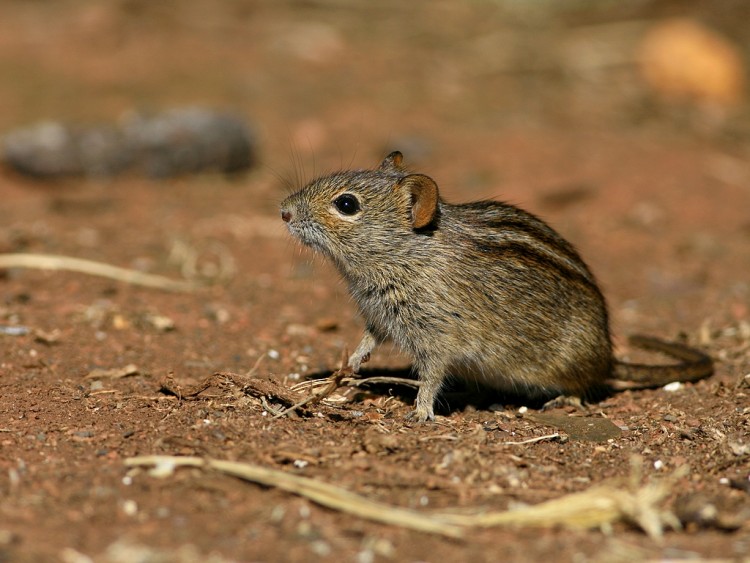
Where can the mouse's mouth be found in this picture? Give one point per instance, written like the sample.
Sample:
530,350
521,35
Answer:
308,235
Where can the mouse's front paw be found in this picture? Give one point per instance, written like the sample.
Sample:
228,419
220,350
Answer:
356,361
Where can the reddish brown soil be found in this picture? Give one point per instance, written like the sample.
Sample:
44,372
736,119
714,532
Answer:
657,201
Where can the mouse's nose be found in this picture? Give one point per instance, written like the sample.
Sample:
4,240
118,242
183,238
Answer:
286,215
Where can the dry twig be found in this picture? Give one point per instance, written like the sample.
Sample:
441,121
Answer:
333,383
382,380
360,381
170,387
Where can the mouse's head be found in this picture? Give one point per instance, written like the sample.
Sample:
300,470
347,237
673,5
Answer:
349,213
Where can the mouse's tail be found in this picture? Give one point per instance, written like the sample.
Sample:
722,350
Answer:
694,365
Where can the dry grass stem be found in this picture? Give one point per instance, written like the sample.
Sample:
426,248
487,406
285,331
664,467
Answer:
90,267
598,507
555,436
114,373
321,493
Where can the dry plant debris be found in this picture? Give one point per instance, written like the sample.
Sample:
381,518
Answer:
598,507
113,373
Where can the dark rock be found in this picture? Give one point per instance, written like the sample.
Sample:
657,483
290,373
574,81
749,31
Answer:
172,143
189,140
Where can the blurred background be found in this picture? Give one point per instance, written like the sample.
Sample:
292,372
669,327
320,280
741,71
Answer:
335,78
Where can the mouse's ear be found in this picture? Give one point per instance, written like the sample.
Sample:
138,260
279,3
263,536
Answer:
424,198
392,162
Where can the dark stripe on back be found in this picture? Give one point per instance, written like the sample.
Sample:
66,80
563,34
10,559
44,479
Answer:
530,255
544,235
508,220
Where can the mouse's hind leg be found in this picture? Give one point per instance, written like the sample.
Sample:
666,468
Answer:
431,377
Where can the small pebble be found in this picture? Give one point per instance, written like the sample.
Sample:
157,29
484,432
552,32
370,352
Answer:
320,548
130,507
14,330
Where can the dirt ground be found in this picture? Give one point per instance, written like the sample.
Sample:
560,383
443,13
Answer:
544,107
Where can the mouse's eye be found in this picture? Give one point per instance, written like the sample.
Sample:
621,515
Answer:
347,204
